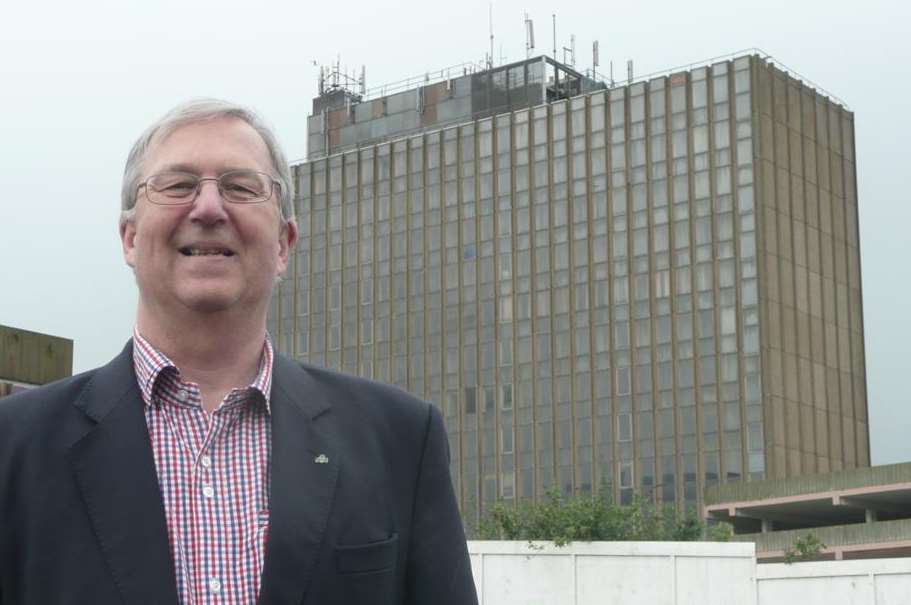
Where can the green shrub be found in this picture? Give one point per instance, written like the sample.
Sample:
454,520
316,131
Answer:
805,548
589,518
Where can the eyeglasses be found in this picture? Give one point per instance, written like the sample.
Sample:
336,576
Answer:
235,186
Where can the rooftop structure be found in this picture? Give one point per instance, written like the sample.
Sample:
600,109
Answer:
343,119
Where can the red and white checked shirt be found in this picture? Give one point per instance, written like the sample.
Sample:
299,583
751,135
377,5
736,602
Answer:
213,472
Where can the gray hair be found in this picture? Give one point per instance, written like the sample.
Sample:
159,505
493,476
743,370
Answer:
200,110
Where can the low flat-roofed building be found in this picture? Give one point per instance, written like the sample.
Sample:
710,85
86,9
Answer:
858,514
29,359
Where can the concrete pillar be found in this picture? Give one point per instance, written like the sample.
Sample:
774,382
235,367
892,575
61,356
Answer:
767,526
870,515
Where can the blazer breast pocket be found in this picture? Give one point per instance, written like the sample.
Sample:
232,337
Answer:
366,558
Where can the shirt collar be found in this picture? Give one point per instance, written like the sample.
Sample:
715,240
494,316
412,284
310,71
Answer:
149,363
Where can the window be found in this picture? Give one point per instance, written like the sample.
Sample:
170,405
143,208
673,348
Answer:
506,308
662,284
470,400
489,403
506,440
506,397
626,474
334,337
452,403
623,381
507,486
624,427
621,334
684,373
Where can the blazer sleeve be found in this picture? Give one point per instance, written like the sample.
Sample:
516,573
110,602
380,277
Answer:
439,570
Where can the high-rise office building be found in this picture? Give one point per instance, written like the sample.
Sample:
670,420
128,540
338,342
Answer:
646,288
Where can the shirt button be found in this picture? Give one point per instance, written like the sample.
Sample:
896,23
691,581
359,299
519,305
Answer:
208,491
183,395
205,461
214,586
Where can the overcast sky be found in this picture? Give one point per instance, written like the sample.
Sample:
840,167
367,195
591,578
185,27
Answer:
80,80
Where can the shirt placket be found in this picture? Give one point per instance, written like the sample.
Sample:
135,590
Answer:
211,507
218,562
198,434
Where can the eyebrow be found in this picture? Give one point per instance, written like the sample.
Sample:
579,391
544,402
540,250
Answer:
191,169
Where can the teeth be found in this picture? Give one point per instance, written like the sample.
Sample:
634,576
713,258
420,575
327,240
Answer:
206,252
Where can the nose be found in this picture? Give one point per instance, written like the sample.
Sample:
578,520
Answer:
208,207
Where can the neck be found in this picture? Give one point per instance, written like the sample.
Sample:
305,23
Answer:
217,352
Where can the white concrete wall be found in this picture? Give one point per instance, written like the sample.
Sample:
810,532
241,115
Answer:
676,573
861,582
608,573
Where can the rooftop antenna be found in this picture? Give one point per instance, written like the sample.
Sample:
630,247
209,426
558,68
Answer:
554,16
571,50
596,60
529,36
334,77
490,20
556,69
629,70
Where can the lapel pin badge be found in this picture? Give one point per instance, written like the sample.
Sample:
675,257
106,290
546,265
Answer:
321,459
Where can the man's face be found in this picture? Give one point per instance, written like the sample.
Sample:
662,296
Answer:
210,255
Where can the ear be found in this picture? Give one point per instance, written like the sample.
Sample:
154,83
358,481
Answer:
127,239
287,238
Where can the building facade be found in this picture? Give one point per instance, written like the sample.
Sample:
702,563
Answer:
29,359
649,288
860,513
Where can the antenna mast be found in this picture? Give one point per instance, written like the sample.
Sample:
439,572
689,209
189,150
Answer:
333,77
554,16
596,60
529,36
556,70
490,20
571,51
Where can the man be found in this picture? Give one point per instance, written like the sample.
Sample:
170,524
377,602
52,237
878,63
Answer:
199,466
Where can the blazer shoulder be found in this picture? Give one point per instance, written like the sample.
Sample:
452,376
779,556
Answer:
39,405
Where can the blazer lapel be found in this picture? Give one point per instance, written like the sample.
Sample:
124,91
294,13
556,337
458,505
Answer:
115,471
304,473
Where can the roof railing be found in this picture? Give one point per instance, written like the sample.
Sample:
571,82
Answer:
430,77
728,57
456,71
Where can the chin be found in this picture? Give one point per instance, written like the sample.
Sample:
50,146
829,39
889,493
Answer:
209,305
210,300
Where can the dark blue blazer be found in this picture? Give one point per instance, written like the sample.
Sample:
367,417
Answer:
82,520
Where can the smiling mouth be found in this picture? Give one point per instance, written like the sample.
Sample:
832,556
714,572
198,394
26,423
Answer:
190,251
